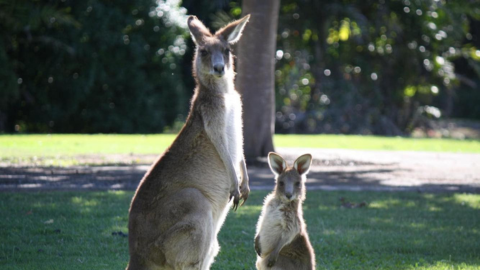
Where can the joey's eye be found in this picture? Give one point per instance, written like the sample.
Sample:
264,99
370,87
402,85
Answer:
203,52
227,51
280,184
297,184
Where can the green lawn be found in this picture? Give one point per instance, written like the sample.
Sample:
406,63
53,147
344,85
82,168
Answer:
29,146
72,144
73,230
377,143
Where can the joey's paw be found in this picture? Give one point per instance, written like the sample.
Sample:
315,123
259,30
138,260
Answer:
271,261
257,246
259,251
235,194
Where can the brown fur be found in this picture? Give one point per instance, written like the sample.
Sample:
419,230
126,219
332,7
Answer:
282,240
181,203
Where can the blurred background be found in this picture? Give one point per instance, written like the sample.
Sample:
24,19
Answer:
400,67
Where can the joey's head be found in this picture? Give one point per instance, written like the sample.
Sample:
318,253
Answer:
290,181
213,58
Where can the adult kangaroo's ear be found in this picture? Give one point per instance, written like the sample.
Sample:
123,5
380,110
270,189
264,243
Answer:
302,164
233,31
198,30
277,163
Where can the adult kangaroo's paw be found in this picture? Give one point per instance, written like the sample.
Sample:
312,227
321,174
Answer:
244,188
244,191
235,194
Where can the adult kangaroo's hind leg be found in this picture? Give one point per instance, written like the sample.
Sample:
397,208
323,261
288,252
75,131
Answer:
190,243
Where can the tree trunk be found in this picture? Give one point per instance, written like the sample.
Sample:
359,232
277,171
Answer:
255,79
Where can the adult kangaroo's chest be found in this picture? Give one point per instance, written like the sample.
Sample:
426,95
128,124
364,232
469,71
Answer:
233,126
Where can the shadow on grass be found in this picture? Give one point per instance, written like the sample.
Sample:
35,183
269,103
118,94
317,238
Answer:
375,180
71,178
357,177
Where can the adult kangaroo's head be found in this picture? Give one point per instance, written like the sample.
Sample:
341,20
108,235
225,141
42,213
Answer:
213,59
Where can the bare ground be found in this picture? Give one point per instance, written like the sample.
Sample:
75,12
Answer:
332,169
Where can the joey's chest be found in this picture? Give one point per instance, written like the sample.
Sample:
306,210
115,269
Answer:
285,218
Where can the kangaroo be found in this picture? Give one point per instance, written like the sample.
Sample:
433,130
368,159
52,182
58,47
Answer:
182,201
282,240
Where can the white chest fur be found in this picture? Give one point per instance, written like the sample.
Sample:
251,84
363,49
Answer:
233,126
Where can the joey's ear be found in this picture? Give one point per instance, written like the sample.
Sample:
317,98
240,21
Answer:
277,163
233,31
198,30
302,164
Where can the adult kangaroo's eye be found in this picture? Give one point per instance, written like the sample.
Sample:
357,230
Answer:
203,52
280,184
297,184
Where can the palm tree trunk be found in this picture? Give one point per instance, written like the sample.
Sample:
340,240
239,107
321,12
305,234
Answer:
255,80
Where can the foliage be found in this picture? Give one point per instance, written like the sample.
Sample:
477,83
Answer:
91,66
371,66
73,230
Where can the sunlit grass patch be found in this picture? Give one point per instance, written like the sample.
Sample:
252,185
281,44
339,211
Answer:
468,200
77,144
377,143
72,149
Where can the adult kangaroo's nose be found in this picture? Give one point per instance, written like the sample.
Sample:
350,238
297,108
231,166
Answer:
288,195
219,68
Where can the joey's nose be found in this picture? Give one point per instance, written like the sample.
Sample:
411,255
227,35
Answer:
219,69
288,195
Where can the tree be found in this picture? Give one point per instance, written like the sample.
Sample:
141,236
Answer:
255,78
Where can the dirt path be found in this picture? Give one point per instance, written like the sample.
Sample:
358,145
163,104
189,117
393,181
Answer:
332,170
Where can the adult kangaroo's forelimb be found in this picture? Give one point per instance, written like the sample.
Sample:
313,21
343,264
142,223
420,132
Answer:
244,187
217,138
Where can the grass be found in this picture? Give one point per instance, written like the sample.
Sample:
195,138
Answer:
73,230
377,143
55,149
71,144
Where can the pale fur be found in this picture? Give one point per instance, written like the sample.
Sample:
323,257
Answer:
282,240
182,201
